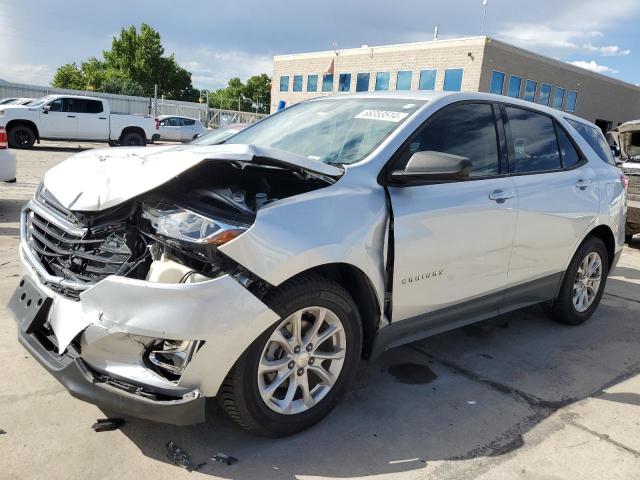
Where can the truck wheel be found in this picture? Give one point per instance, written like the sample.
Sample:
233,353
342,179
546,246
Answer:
293,375
583,284
21,136
132,139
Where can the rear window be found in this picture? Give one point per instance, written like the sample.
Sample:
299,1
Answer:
594,137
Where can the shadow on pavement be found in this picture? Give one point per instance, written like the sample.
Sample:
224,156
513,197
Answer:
489,384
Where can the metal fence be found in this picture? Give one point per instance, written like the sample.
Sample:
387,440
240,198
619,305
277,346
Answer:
210,117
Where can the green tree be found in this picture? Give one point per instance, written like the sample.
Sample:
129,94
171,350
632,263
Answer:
255,93
133,65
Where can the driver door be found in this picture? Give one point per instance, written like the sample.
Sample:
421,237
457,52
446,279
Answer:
453,241
59,121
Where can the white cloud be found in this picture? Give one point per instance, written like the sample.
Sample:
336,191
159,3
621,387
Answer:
593,66
35,74
538,35
607,51
212,69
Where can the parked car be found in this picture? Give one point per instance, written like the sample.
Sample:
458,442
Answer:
7,160
7,100
627,138
219,135
262,270
72,117
178,129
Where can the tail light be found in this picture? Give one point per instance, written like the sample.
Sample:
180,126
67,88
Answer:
3,139
625,181
157,124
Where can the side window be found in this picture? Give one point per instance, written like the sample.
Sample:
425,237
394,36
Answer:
187,122
570,155
467,130
93,106
68,104
172,122
77,105
534,146
594,137
56,105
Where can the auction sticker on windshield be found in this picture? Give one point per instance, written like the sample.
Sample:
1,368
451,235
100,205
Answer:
384,115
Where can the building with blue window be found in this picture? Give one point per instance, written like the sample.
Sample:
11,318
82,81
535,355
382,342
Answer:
466,64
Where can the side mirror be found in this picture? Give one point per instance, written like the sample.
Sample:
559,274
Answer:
429,167
46,109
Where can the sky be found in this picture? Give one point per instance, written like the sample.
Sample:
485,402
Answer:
217,39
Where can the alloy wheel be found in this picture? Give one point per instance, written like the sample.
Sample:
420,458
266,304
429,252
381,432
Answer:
587,282
302,360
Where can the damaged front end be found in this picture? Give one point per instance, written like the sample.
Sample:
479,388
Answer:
133,307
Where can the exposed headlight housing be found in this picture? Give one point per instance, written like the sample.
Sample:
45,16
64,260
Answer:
178,223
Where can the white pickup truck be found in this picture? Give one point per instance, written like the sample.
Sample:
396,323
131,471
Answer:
72,117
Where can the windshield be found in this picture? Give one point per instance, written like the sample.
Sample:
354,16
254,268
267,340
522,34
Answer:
40,101
215,137
331,131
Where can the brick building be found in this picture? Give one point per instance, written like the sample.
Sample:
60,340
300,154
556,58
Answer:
468,64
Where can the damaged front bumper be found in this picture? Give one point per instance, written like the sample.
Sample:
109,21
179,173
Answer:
96,346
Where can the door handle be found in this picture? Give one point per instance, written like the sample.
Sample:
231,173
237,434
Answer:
102,118
501,196
582,184
71,116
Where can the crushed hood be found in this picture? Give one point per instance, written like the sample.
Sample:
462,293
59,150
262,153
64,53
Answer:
99,179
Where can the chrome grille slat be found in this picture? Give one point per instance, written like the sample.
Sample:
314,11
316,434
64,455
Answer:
68,256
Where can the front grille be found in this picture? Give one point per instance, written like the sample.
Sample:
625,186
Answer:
80,254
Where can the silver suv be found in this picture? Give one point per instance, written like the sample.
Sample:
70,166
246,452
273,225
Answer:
261,271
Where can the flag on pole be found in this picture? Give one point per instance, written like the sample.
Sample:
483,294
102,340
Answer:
330,68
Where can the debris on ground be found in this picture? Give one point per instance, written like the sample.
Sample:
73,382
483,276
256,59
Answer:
471,402
2,432
107,424
179,457
223,458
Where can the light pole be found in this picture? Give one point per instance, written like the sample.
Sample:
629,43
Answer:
484,15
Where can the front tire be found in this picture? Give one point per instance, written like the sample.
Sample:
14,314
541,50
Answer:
21,137
293,375
583,283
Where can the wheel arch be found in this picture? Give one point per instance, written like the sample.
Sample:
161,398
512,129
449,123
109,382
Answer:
360,287
27,123
133,129
604,233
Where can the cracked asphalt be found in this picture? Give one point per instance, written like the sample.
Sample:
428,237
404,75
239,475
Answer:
517,397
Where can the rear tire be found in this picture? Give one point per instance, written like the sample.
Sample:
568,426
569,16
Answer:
248,397
21,136
132,139
581,288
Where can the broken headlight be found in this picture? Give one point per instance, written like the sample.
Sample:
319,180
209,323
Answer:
172,221
172,356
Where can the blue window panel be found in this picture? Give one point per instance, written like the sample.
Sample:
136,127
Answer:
284,83
312,83
344,82
572,98
530,90
515,83
327,83
558,97
362,82
545,94
403,81
297,83
382,80
453,80
497,83
428,79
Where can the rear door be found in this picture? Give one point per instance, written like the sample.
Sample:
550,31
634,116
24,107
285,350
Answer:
453,241
59,121
93,122
557,193
188,129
